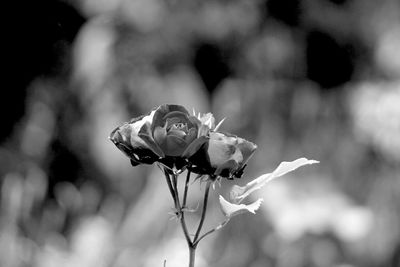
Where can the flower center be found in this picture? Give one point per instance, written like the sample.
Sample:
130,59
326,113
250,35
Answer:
177,129
179,126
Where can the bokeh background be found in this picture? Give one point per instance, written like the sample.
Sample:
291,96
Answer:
314,78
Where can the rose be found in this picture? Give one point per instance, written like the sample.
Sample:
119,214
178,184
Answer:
165,135
223,155
170,135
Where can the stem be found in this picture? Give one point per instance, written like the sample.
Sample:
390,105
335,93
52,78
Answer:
181,214
211,231
171,189
186,189
176,193
203,213
192,255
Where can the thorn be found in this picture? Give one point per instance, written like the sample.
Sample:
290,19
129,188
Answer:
219,124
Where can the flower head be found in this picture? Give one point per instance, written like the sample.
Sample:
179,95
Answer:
165,135
170,135
223,155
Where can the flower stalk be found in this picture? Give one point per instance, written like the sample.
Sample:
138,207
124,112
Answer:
203,212
173,188
172,182
220,226
186,189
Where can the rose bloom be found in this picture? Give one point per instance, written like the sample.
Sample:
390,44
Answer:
164,135
173,137
223,155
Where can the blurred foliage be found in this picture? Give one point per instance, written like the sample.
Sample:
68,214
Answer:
307,78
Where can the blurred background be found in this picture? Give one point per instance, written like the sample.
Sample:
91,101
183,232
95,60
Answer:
313,78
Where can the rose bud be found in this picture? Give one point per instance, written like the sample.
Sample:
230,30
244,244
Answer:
223,155
164,135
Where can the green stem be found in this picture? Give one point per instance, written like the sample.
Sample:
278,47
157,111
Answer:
192,255
203,213
171,189
186,189
211,231
175,189
181,214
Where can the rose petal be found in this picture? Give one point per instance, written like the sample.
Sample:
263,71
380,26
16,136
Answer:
222,156
127,140
176,115
128,135
224,137
194,147
163,110
146,135
169,122
175,146
138,122
160,137
230,209
191,135
194,122
120,134
238,193
177,133
220,149
247,148
224,170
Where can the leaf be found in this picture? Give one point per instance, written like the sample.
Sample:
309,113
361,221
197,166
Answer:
230,209
238,193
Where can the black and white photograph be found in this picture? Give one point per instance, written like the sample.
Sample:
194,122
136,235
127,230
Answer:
200,133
